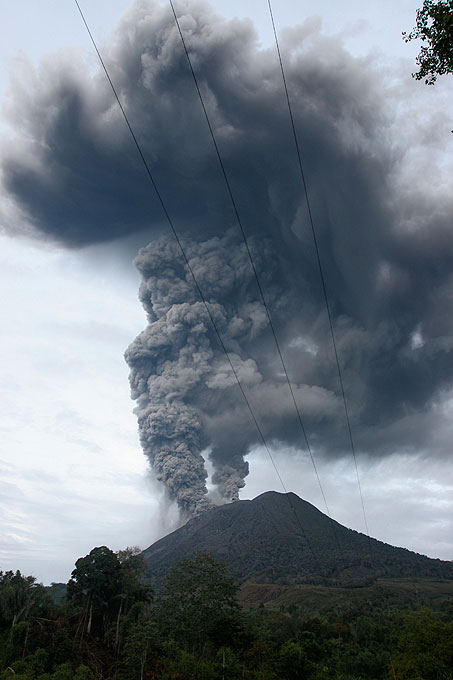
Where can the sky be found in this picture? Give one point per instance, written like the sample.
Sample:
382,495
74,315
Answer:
75,209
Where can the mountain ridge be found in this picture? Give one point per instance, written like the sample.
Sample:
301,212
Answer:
282,539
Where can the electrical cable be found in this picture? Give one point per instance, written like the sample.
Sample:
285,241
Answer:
200,293
321,273
255,273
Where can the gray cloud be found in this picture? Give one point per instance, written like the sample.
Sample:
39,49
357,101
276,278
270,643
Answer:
178,371
387,253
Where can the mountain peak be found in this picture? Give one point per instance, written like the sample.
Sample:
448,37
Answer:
281,538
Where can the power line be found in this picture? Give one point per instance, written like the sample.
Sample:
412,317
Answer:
321,273
255,273
197,286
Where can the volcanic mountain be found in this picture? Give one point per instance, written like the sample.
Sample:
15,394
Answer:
281,539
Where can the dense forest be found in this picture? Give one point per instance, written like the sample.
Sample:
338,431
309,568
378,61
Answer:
107,623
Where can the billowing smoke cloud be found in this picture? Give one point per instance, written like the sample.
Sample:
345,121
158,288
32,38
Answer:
173,366
387,249
187,395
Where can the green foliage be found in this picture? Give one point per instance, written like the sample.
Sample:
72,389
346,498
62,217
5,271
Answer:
434,25
199,604
63,672
56,592
132,567
141,648
95,577
62,646
197,630
84,673
426,649
179,663
19,595
105,584
33,666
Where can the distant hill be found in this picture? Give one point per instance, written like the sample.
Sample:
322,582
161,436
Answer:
263,542
318,600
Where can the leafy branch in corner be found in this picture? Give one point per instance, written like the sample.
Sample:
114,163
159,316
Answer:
434,25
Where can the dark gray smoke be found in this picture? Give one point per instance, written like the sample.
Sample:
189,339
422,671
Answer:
187,395
178,372
74,177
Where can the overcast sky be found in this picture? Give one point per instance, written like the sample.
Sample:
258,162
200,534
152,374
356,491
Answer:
73,472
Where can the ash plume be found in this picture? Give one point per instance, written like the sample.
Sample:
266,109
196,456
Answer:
182,380
71,177
176,367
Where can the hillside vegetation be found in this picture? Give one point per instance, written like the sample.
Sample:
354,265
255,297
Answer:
291,600
110,626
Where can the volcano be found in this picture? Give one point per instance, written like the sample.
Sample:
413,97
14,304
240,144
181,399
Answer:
281,539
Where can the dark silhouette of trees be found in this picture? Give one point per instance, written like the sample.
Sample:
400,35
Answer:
95,583
195,629
104,585
434,26
18,596
199,604
426,649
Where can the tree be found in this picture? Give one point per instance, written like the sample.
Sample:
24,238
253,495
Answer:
426,649
95,575
95,581
105,584
18,595
132,567
199,604
301,657
133,590
434,25
141,645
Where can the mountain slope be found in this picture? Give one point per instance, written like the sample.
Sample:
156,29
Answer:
280,538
